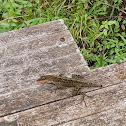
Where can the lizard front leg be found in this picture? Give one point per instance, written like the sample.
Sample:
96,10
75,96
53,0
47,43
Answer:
58,86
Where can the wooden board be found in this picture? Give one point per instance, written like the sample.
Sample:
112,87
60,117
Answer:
49,48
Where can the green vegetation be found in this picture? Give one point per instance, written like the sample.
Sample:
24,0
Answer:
98,26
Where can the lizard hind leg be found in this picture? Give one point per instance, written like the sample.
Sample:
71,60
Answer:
83,94
77,91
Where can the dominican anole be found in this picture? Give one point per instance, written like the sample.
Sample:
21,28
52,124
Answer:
60,81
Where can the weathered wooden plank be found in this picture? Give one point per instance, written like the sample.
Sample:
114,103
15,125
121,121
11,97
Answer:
21,99
111,117
44,92
40,43
73,108
32,32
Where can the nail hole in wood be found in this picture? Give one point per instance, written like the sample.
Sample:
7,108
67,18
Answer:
62,39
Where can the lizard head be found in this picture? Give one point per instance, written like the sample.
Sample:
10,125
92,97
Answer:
44,79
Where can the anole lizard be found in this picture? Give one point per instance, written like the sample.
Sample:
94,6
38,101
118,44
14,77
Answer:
60,81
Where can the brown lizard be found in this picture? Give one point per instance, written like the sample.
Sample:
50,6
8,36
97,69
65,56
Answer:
60,81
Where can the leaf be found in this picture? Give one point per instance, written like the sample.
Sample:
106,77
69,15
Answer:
14,20
106,26
113,45
5,15
11,7
121,44
4,24
102,26
111,22
121,37
48,15
105,32
123,27
124,22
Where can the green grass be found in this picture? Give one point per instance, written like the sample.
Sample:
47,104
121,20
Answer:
98,26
